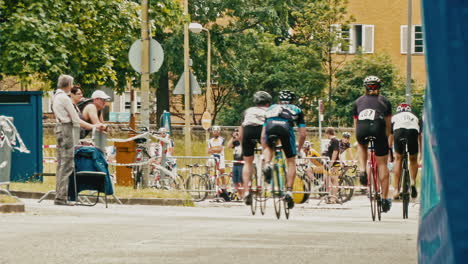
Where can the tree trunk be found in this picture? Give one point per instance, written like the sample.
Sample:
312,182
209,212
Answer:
162,94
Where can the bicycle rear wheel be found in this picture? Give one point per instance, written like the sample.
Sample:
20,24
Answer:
346,190
254,192
197,187
405,194
372,195
276,191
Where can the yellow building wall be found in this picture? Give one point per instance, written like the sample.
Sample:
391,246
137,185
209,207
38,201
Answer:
387,16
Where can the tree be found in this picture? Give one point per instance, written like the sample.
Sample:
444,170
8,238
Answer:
273,68
350,86
321,24
88,39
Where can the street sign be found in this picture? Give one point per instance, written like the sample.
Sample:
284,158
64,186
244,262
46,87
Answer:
321,107
206,120
194,86
156,55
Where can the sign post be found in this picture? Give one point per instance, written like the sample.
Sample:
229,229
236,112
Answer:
206,124
320,108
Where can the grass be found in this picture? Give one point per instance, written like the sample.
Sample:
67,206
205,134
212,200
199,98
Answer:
7,199
120,191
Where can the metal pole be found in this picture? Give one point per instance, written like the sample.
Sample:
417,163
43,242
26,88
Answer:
209,102
145,76
409,51
188,139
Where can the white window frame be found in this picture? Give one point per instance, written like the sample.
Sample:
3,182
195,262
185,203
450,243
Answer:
404,40
137,99
352,39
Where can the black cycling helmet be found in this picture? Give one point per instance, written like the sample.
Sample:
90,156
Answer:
286,96
346,135
372,83
262,98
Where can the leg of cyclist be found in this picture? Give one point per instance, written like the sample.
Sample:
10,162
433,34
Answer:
362,159
397,167
246,178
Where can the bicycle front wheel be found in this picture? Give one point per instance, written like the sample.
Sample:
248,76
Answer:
346,190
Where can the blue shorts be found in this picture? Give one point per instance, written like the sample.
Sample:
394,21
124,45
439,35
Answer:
237,173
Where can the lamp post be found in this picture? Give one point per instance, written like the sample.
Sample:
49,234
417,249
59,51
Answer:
409,51
188,139
197,28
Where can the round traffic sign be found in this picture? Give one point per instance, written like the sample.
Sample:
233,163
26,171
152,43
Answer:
206,120
156,55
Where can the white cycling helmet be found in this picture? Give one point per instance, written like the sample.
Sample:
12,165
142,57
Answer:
216,128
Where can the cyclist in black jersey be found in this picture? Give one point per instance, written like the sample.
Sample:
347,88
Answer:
372,115
250,132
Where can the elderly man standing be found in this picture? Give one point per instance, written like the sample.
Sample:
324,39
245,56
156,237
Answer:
67,134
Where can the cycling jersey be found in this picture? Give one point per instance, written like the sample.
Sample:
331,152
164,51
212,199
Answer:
405,120
254,116
280,120
218,142
252,122
370,112
405,125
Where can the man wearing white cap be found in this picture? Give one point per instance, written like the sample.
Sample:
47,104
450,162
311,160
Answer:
92,113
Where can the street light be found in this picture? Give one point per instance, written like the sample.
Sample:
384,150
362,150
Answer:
197,28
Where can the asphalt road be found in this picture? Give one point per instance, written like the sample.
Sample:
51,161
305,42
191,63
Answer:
209,233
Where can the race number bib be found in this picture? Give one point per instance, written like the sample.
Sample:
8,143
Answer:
367,114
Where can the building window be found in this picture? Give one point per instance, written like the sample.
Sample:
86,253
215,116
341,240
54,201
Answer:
417,44
127,102
358,38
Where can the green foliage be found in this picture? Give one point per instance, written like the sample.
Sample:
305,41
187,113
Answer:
88,39
274,68
315,24
349,82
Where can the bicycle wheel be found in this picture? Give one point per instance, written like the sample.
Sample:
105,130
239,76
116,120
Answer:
378,199
346,190
197,187
405,193
254,192
276,191
372,195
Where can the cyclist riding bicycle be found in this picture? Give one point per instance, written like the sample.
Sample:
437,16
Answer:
280,120
405,125
250,132
216,150
372,114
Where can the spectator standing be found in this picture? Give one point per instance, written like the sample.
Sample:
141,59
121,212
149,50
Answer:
238,162
92,112
66,132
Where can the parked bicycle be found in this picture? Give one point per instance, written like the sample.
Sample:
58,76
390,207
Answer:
199,185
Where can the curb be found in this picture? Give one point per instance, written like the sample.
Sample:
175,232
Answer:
17,207
110,200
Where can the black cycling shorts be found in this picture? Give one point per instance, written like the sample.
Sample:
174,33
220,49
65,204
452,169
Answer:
374,128
282,130
412,137
251,135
